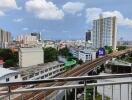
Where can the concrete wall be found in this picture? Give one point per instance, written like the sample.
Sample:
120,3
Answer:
29,58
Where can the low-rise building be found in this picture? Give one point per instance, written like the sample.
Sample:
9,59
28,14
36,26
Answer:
30,56
42,71
118,67
87,55
7,75
84,54
74,52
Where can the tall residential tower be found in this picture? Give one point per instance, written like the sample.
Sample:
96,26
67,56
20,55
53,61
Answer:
104,32
5,38
88,36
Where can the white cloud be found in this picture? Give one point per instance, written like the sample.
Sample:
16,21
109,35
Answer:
73,7
25,29
79,14
93,13
6,5
44,9
18,20
2,13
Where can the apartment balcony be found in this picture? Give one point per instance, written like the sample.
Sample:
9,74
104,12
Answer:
98,87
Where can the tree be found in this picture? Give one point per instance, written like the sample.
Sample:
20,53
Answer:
108,49
9,63
80,62
9,57
65,52
15,56
50,54
6,54
121,48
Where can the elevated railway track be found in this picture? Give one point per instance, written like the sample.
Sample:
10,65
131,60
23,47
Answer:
88,66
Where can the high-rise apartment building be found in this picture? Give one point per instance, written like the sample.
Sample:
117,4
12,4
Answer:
26,39
88,36
5,38
104,32
38,35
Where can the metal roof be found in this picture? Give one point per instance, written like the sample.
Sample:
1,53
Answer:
4,71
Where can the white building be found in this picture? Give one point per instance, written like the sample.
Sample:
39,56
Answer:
74,52
7,75
104,32
42,71
27,39
87,55
30,56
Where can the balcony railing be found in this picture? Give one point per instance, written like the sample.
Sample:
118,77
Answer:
106,87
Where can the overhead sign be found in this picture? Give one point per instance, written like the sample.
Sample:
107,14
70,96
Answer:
101,52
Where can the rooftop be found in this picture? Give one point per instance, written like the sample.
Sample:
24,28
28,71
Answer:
1,62
37,68
120,62
4,71
30,49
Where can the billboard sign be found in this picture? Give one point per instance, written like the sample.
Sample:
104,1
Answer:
101,52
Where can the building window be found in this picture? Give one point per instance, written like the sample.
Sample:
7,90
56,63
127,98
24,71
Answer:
46,75
36,74
61,69
42,77
50,69
16,76
50,74
86,56
54,72
24,78
7,79
46,70
54,67
42,72
30,76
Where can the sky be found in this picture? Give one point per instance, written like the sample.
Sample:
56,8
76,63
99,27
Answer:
63,19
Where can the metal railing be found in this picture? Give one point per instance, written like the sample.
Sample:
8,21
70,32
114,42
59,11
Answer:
103,90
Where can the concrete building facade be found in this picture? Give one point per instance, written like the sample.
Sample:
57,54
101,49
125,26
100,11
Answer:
26,39
38,35
88,36
104,32
5,38
30,56
7,75
43,71
87,55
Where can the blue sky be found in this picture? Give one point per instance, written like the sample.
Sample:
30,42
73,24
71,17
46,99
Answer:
63,19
